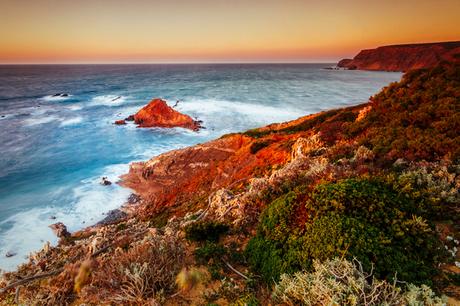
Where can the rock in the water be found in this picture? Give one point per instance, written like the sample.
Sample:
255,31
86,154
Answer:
105,181
120,122
113,216
10,254
158,114
60,230
129,118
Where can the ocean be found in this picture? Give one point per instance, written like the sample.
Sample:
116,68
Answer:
54,150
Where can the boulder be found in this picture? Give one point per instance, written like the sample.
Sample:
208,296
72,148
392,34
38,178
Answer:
120,122
60,230
129,118
105,181
158,114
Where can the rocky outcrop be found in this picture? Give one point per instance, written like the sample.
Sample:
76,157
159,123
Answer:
158,114
189,174
60,230
404,57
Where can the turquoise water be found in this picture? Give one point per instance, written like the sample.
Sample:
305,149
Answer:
54,150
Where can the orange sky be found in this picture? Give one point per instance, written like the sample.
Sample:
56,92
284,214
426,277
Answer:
91,31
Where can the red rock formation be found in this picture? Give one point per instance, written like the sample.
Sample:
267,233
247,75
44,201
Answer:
188,175
404,57
120,122
158,114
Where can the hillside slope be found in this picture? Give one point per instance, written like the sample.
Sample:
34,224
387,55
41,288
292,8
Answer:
404,57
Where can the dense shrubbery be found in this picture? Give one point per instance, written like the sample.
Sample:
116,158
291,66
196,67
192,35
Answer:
417,118
205,231
359,218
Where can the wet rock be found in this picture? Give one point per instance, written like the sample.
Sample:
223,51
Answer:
158,114
10,254
52,217
120,122
129,118
133,198
113,216
60,230
105,181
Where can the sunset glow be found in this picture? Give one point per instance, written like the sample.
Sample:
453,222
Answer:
56,31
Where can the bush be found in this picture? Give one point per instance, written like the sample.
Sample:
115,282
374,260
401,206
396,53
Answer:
209,251
139,275
205,231
341,282
359,218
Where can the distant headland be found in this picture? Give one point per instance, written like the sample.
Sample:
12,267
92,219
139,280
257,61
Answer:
404,57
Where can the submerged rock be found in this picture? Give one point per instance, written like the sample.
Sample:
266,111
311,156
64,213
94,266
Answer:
10,254
60,230
158,114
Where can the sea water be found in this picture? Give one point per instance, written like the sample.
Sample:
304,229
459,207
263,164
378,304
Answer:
55,149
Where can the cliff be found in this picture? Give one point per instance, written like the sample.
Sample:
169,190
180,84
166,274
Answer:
376,185
158,114
404,57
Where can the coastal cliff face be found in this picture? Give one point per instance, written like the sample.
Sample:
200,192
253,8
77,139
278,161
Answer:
220,222
404,57
158,114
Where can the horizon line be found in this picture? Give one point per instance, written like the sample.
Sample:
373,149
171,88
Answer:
167,63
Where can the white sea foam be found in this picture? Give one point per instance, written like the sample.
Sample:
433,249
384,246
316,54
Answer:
75,107
90,200
52,98
71,121
108,100
41,120
230,116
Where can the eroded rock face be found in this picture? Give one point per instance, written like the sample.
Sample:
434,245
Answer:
158,114
404,57
190,174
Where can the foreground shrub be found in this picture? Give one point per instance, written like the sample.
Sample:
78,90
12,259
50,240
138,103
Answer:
139,275
205,231
341,282
359,218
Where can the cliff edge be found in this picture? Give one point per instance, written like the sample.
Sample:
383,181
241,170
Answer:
404,57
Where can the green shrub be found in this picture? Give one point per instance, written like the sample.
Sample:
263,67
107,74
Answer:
359,218
209,251
205,231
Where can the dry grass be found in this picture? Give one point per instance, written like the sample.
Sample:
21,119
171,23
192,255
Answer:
139,275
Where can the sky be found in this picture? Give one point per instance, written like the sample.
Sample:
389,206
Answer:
138,31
